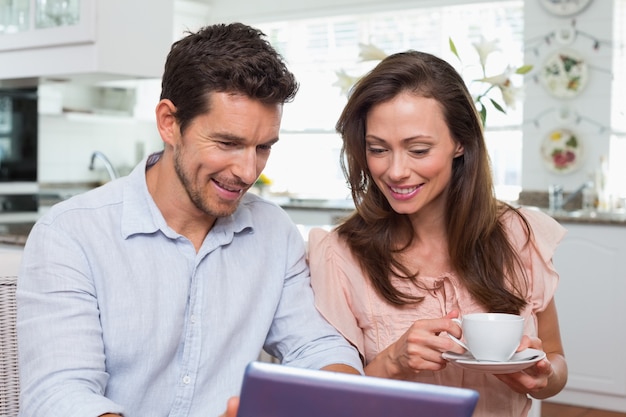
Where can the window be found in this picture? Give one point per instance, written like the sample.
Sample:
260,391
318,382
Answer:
306,161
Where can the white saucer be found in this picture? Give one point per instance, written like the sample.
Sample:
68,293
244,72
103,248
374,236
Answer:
519,361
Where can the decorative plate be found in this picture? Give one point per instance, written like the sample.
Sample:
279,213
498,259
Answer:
562,151
564,74
565,7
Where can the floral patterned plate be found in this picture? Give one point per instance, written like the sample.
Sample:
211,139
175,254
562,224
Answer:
564,74
562,151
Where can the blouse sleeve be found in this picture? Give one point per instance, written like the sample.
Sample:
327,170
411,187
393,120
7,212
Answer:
332,266
547,233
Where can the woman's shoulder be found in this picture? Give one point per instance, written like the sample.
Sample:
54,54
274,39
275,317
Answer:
545,231
327,238
538,221
329,245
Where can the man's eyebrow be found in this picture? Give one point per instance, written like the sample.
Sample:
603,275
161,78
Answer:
227,136
234,138
271,141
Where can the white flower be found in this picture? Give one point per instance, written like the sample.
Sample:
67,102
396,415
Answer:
496,80
502,82
345,81
509,95
505,85
484,48
369,52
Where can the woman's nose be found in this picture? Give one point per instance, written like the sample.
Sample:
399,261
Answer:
398,167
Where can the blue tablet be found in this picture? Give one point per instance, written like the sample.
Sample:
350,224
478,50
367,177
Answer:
272,390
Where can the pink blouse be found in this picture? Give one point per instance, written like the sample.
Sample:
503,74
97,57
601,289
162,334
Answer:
348,301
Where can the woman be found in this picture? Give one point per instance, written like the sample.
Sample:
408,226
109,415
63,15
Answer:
429,241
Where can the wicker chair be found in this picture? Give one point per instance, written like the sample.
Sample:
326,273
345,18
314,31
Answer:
9,377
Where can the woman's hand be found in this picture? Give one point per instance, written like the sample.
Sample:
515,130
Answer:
548,376
418,349
540,380
533,378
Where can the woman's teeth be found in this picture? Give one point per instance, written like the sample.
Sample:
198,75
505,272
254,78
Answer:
403,190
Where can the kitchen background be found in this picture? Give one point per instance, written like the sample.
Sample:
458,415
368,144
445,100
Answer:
99,93
96,66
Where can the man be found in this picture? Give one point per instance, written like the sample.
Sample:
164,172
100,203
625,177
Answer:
149,295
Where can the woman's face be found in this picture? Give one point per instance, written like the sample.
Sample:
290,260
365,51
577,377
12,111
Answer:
410,152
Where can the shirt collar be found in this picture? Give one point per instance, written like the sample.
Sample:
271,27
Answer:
142,216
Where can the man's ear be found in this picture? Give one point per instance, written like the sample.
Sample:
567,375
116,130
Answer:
166,121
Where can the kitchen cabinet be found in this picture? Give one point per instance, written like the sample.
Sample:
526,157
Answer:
591,261
39,24
107,40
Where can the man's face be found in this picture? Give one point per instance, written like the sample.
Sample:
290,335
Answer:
223,152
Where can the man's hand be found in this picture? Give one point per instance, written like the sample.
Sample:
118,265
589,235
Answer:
232,406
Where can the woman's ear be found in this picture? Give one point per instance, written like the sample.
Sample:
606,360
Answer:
166,121
459,150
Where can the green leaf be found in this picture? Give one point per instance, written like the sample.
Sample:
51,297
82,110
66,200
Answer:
524,69
483,114
569,62
497,105
453,48
572,142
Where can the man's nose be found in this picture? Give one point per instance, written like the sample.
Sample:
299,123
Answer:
245,166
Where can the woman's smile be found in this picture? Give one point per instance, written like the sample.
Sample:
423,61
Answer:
404,193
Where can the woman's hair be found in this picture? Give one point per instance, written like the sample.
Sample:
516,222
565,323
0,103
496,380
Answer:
231,58
479,250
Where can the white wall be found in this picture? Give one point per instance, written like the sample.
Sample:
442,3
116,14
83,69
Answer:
593,103
67,142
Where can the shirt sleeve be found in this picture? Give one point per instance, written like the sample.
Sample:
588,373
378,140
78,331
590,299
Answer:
546,234
61,352
316,344
333,276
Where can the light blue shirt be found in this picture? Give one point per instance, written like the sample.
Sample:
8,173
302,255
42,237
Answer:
118,313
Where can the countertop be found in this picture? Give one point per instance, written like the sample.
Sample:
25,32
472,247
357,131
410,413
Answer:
14,233
617,218
313,203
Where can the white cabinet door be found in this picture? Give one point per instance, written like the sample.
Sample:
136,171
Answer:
591,262
82,31
113,39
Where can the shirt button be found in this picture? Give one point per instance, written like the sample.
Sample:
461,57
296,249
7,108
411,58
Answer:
193,319
186,379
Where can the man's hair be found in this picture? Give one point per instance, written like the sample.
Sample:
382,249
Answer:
226,58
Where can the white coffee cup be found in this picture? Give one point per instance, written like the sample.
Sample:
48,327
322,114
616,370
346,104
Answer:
491,336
